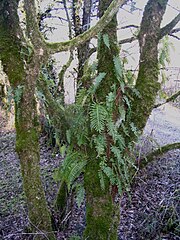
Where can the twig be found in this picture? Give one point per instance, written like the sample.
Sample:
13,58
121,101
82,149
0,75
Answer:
171,98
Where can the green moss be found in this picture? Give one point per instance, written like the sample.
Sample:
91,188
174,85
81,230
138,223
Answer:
102,217
10,43
26,139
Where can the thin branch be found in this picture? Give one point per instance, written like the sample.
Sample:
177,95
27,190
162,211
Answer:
129,26
175,30
80,39
169,27
171,98
134,38
128,40
174,36
150,157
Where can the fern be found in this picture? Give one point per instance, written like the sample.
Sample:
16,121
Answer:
110,99
18,93
98,116
108,171
118,67
78,131
118,154
112,129
100,144
94,66
122,112
126,100
81,97
80,194
106,40
71,168
97,82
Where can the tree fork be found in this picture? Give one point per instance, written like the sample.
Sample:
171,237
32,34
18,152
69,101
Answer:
26,120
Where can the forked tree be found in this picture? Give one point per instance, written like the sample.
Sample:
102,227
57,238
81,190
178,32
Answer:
104,123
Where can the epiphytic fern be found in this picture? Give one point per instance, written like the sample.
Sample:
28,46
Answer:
98,116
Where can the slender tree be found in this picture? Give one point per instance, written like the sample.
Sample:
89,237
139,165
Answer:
104,123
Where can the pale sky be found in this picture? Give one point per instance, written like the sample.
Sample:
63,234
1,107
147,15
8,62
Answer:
125,17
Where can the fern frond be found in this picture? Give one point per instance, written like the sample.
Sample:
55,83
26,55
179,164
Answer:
97,82
118,67
118,154
112,129
79,193
81,97
100,144
108,171
110,99
98,116
126,100
106,40
134,129
75,171
71,168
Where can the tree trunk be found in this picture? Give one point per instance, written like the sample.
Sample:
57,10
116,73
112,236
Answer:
147,82
22,74
102,213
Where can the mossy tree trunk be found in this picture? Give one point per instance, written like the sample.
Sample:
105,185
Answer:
100,206
147,82
22,74
80,26
102,213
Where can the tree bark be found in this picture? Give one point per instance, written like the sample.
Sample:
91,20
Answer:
147,82
23,73
102,213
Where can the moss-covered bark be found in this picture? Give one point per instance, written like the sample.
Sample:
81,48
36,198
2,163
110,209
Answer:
22,74
147,82
93,31
102,214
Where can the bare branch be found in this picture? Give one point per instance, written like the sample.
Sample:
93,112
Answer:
106,18
174,36
150,157
175,30
171,98
128,40
169,27
134,38
130,26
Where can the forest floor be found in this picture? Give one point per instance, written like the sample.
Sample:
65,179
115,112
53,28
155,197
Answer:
152,212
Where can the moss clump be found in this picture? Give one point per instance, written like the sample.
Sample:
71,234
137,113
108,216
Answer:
27,139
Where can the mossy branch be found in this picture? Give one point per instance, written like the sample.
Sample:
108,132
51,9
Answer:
55,111
32,27
169,27
150,157
171,98
82,38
